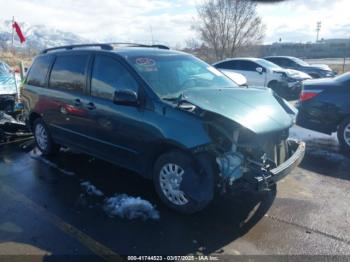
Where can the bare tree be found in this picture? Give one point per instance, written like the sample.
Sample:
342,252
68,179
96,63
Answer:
227,25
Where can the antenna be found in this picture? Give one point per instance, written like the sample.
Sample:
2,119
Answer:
318,29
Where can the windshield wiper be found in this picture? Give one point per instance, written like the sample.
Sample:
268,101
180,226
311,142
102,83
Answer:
175,99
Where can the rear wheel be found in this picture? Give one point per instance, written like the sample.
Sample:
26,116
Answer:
43,138
173,172
344,134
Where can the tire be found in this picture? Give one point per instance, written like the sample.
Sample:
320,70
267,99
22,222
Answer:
182,195
343,134
43,138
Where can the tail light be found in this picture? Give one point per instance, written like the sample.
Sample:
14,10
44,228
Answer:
307,95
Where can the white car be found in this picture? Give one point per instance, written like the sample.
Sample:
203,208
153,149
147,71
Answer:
260,72
239,79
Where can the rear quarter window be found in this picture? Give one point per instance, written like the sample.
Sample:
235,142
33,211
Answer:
69,72
38,71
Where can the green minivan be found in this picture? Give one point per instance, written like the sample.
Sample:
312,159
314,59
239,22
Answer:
164,114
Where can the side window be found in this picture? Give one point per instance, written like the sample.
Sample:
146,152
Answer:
108,75
288,62
248,65
227,65
275,61
68,73
38,71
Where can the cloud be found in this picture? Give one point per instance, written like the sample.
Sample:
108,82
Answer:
111,19
169,21
295,20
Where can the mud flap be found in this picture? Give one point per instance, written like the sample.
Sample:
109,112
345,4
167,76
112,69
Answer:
199,186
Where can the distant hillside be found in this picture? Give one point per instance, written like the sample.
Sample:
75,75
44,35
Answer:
38,36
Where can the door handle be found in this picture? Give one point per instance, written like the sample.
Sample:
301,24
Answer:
90,106
77,102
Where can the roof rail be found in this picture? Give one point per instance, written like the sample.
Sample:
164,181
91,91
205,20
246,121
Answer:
139,45
70,47
103,46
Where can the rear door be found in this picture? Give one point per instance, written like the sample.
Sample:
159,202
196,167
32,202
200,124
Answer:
68,98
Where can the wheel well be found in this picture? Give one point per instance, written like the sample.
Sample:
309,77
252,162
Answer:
33,116
314,75
271,83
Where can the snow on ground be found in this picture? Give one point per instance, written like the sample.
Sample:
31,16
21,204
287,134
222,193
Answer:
90,189
129,207
36,154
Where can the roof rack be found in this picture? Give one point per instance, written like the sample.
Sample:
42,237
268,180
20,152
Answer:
103,46
70,47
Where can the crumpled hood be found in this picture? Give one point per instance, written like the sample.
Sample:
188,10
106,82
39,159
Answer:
7,84
293,73
257,110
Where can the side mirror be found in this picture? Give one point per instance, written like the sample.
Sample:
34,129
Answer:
125,97
259,70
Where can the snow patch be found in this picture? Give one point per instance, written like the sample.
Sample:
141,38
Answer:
129,207
90,189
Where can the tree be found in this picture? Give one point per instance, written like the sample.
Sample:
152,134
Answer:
225,26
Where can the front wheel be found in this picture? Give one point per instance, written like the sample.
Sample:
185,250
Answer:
179,185
344,134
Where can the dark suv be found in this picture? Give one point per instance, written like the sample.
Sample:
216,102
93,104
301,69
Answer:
290,62
163,114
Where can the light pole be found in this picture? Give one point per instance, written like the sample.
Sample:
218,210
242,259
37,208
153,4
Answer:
318,28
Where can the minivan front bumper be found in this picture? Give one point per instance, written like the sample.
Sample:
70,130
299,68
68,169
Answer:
266,179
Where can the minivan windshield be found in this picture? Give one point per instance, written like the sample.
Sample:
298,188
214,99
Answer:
170,75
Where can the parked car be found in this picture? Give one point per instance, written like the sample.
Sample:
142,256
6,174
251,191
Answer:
324,106
239,79
164,114
315,70
260,72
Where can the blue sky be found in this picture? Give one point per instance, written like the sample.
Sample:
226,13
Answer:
170,21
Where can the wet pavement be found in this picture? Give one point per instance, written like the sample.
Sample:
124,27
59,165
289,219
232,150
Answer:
45,210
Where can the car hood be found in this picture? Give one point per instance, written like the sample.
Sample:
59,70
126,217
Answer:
7,84
257,110
293,73
321,82
321,66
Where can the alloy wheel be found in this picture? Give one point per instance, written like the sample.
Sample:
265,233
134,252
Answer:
170,181
41,136
346,134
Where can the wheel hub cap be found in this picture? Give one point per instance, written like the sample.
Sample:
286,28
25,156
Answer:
41,136
170,181
347,134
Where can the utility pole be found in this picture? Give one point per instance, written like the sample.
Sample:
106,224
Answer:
152,37
13,30
318,29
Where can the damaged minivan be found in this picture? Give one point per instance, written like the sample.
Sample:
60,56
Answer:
164,114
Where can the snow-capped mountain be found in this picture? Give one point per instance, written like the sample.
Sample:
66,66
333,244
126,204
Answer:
37,36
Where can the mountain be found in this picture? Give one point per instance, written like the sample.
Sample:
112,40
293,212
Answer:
37,36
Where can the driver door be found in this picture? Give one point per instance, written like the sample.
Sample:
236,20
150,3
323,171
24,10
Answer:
118,128
249,70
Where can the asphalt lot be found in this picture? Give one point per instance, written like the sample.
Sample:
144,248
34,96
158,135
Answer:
44,211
